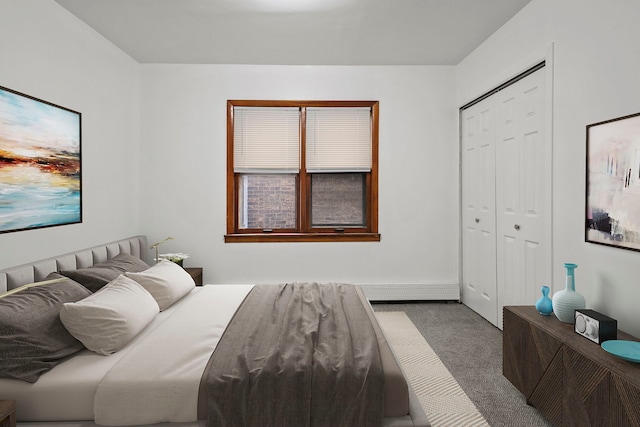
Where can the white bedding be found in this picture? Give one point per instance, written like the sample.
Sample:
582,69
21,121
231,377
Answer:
89,379
158,380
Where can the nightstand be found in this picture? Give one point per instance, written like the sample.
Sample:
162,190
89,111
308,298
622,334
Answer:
196,273
7,413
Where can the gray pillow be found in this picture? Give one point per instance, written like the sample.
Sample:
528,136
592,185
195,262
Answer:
98,275
32,338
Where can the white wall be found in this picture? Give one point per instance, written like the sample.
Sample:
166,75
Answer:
184,182
596,64
177,186
47,53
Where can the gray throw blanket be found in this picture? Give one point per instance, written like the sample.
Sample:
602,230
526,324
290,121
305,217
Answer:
297,355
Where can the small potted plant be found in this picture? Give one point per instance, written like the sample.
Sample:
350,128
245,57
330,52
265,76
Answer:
178,258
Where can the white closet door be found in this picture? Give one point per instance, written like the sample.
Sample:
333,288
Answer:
478,215
506,193
523,214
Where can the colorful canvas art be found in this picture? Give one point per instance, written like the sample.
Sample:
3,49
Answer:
613,183
40,165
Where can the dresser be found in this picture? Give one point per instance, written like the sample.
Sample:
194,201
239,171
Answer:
571,380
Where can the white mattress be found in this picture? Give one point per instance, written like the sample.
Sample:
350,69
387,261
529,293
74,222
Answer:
80,375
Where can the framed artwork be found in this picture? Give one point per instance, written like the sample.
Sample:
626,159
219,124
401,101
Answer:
613,183
40,163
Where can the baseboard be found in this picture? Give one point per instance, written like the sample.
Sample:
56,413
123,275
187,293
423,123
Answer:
412,292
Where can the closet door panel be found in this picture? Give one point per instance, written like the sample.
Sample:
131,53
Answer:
523,252
478,216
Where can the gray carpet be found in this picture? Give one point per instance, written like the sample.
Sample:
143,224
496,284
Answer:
471,349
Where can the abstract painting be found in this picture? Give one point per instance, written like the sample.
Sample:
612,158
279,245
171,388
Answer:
613,183
40,173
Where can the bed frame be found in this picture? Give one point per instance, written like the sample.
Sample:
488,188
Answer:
14,277
37,271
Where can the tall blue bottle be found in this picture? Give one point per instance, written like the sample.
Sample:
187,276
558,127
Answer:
565,302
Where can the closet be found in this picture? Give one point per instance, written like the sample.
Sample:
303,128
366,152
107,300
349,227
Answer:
506,196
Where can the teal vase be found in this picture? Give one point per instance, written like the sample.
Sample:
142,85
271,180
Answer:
544,304
565,302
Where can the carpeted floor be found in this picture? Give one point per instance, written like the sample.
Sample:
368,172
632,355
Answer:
471,349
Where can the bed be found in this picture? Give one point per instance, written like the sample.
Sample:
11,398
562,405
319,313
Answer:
155,364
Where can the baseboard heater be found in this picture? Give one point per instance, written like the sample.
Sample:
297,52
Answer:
412,292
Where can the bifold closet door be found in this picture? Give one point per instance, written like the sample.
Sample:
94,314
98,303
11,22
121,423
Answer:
478,210
523,215
505,198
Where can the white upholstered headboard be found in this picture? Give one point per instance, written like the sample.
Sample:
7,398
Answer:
37,271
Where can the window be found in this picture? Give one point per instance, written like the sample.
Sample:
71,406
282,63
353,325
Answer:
302,171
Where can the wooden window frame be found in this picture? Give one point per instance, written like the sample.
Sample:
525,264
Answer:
304,231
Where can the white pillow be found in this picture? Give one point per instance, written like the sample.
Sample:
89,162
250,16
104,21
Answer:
107,320
166,281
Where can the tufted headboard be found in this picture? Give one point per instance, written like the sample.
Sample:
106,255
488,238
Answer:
37,271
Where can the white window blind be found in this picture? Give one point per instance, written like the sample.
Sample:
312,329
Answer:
338,139
266,140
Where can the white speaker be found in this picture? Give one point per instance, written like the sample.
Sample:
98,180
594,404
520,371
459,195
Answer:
595,326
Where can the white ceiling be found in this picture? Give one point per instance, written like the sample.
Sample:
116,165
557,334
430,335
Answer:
296,32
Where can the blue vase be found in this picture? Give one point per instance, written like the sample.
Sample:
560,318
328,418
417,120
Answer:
544,304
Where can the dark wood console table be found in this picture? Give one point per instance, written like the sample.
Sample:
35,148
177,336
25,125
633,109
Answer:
572,381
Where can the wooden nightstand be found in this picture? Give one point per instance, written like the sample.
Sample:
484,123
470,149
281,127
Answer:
7,413
196,273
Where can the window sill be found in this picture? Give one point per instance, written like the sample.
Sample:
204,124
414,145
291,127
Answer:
301,237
